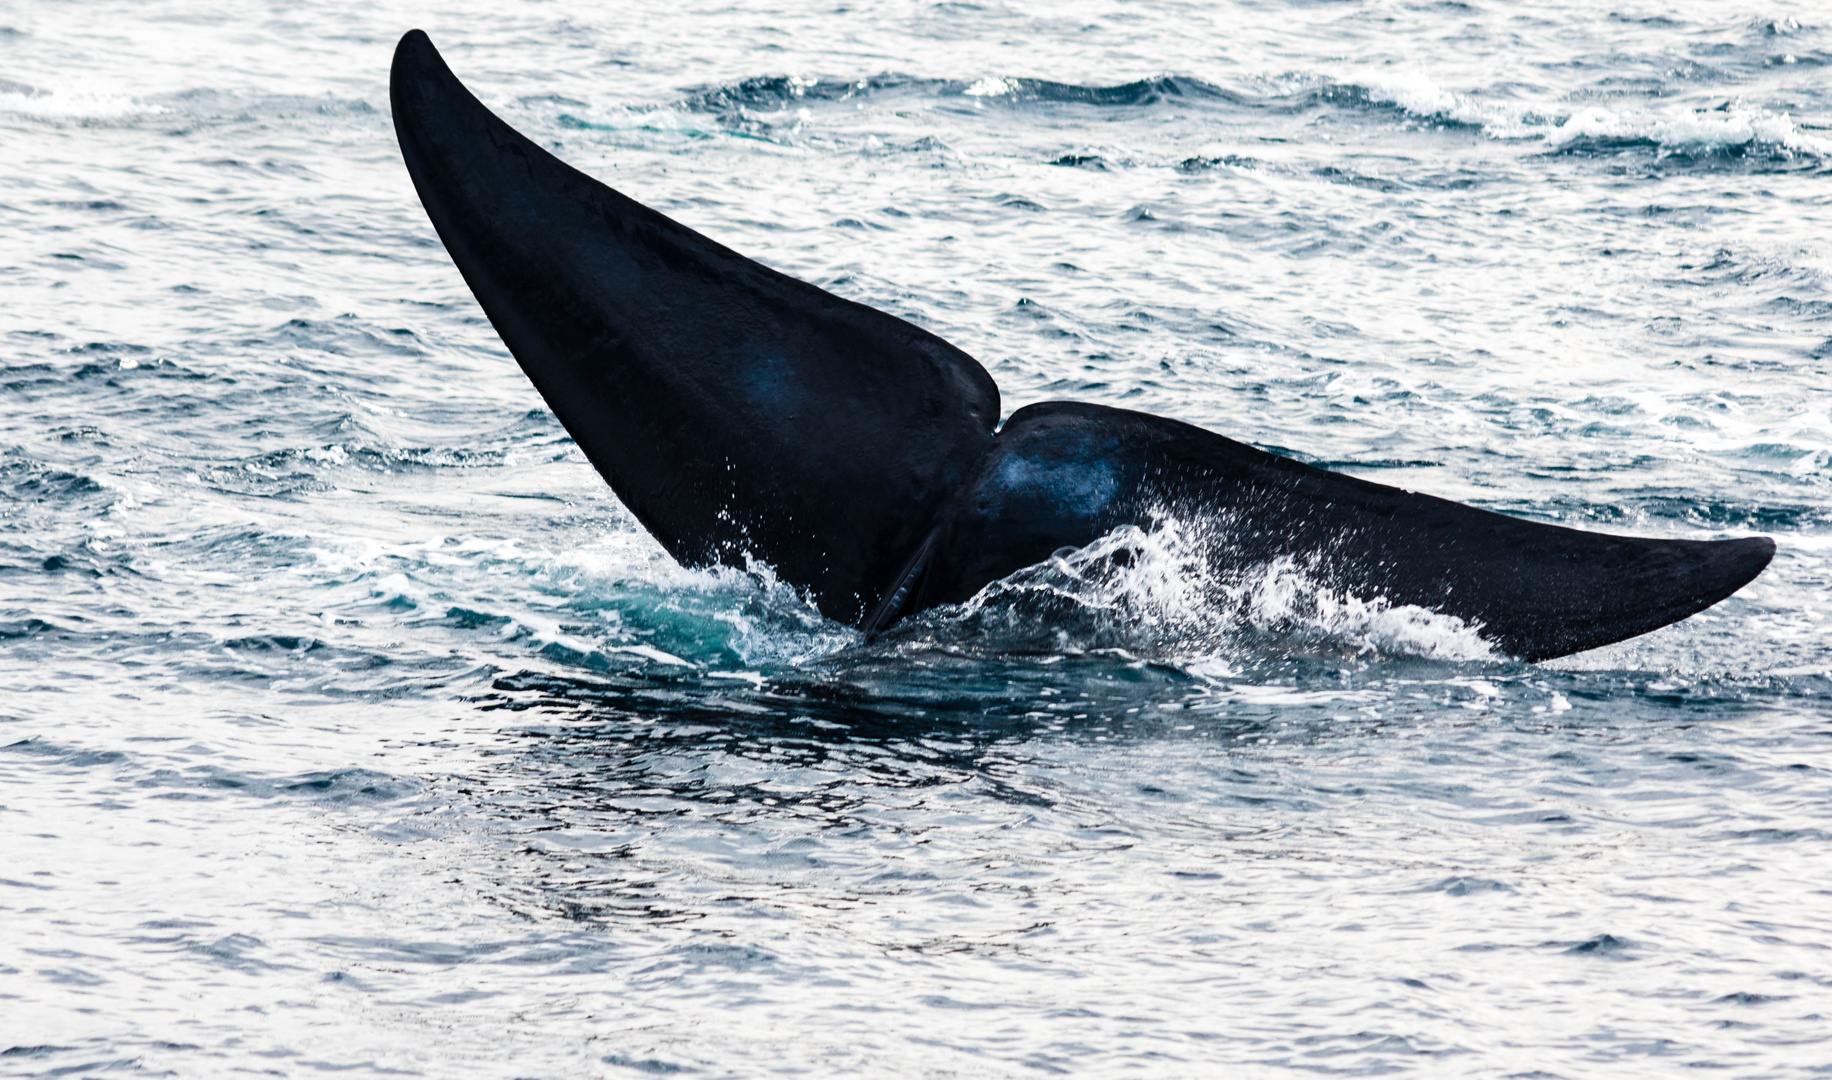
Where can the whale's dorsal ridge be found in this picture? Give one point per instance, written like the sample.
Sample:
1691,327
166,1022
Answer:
740,413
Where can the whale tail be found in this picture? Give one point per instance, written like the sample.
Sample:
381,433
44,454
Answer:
1068,472
741,414
736,411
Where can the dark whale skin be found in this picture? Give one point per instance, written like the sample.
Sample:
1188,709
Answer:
736,411
744,415
1064,473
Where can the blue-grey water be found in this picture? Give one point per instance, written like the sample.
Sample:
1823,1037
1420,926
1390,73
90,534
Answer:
348,723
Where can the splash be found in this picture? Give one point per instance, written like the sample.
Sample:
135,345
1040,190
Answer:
1160,591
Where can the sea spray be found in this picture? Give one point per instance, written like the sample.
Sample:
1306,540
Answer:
1170,591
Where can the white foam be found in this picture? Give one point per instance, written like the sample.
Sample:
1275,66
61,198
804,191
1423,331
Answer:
650,652
77,105
1412,90
1159,591
1707,130
780,625
1286,696
991,87
1281,596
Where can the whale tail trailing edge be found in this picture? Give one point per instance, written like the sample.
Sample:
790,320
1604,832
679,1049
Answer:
740,413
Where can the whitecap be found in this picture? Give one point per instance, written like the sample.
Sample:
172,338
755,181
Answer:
1413,91
991,87
1688,131
19,100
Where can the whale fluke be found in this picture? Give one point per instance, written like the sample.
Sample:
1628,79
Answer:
732,408
1065,473
740,413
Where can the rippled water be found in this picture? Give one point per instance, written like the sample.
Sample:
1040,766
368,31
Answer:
350,724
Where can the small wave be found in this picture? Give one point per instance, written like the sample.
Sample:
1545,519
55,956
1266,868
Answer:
1139,92
345,335
666,614
28,481
617,604
1409,90
1726,128
1720,130
1159,592
1414,92
778,91
775,92
298,470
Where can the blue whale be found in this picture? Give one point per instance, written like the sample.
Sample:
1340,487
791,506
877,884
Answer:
742,414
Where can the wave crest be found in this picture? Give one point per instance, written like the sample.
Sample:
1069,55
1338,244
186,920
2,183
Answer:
1729,127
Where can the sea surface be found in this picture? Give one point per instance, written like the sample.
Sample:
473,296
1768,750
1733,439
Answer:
349,724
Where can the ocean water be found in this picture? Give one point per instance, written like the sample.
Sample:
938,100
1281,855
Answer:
348,723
